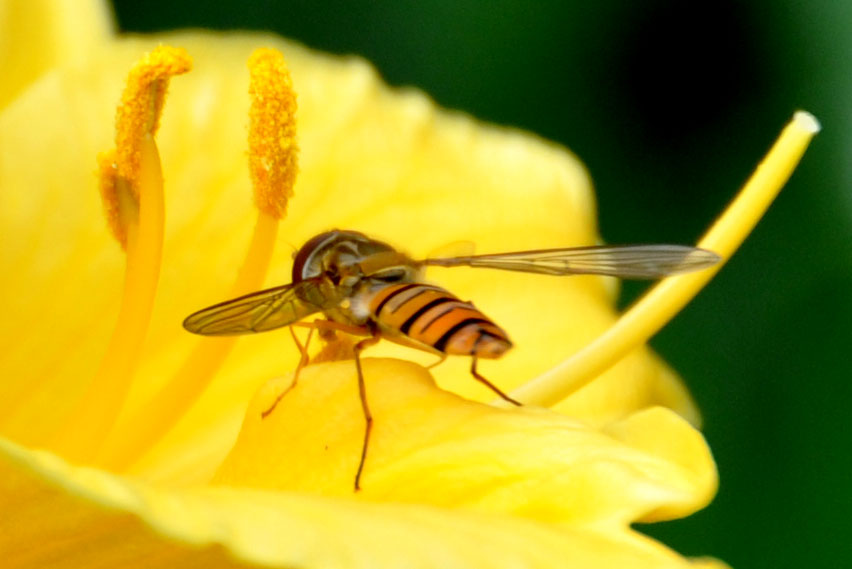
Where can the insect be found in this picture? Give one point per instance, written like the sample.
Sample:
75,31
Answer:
366,287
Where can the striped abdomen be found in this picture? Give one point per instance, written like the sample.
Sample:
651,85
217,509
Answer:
433,316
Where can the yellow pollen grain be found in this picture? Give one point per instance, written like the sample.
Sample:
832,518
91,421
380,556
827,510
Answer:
108,188
141,105
273,148
668,297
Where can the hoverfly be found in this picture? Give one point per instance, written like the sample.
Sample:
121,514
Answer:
364,286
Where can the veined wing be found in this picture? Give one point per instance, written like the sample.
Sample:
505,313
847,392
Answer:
463,248
263,310
625,261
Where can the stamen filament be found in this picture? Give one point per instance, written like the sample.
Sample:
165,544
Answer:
668,297
137,435
132,190
102,401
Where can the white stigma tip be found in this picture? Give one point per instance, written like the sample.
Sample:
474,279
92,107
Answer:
807,121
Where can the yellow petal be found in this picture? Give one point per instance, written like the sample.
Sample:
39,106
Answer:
38,35
641,379
68,517
430,446
54,336
708,563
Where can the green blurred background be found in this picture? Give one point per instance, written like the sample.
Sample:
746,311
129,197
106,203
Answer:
670,104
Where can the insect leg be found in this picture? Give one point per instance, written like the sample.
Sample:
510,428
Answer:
439,362
303,361
493,387
362,391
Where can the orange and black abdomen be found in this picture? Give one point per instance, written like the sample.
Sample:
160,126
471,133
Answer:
433,316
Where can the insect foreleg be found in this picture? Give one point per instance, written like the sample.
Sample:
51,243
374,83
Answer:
362,391
304,359
493,387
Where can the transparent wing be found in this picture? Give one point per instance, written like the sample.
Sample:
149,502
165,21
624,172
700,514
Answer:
625,261
263,310
453,249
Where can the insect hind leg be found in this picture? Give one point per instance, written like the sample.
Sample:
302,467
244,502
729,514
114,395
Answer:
362,392
490,385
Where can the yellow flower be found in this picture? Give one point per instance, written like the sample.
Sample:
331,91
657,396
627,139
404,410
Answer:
155,453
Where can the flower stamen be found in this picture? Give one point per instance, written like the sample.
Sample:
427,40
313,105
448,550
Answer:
667,298
273,155
131,185
273,151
